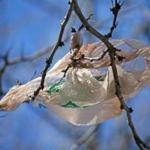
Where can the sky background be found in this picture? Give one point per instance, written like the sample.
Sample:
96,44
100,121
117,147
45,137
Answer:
28,26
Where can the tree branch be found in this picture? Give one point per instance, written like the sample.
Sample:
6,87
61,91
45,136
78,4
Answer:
115,11
7,62
111,50
59,43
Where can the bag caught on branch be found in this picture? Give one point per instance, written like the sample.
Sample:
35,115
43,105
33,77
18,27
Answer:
84,94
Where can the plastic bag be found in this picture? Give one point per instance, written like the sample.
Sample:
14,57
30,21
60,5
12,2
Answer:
86,95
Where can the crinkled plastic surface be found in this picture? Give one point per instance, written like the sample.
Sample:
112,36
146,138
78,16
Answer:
86,95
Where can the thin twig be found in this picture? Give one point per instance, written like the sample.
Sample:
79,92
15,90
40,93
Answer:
2,71
59,43
82,26
96,58
116,7
73,63
8,62
112,50
75,51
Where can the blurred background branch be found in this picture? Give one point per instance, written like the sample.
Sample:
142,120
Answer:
27,28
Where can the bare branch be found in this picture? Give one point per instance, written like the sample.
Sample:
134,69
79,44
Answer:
111,50
59,43
82,26
17,60
115,10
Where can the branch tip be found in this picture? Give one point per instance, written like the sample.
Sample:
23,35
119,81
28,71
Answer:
61,44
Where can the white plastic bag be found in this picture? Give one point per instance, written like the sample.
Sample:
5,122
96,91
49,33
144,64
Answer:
87,93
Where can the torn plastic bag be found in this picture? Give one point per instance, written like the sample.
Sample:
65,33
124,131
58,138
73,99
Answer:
86,95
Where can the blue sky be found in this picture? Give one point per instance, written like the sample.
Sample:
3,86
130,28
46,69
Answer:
27,26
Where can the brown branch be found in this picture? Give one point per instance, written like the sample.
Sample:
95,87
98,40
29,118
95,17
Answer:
7,62
112,50
82,26
33,57
97,58
3,69
75,51
115,11
73,63
59,43
29,58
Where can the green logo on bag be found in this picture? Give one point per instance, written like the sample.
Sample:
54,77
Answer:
70,104
55,87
